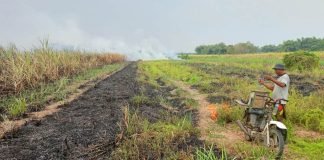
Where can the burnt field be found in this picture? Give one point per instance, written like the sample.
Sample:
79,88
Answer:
95,125
89,121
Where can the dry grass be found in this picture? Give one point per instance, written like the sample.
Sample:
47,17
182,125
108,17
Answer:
20,70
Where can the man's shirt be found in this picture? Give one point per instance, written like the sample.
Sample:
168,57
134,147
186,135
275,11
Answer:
281,92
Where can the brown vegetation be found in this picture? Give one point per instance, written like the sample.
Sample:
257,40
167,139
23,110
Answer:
20,70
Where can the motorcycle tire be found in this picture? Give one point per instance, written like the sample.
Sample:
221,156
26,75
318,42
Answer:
277,141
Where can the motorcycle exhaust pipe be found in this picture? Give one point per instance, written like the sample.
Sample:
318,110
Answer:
243,128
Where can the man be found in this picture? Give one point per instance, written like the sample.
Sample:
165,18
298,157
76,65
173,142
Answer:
279,89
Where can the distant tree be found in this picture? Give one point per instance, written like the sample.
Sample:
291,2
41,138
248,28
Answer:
307,44
312,44
199,49
219,48
289,46
247,47
269,48
230,49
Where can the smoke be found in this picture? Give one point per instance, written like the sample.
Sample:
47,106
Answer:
25,26
71,36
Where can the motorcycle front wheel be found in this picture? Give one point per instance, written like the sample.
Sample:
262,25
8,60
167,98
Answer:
277,141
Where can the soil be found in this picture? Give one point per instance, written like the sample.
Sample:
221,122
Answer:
83,129
306,88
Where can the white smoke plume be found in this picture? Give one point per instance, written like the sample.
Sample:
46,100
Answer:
71,36
25,30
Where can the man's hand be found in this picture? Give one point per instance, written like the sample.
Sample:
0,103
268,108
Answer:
268,77
261,81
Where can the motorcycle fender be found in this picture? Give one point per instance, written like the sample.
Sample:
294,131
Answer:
278,124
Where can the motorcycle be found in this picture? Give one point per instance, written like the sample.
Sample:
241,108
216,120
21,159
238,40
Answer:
258,125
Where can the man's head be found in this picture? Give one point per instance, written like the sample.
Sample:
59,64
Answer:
279,69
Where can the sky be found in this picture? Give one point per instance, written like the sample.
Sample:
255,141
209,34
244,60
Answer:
153,29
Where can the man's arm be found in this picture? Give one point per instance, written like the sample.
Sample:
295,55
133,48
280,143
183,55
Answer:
267,85
280,84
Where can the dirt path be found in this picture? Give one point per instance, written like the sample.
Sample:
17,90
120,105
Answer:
204,120
226,136
83,129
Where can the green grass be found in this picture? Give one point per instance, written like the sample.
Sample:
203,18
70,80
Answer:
307,111
313,149
191,103
209,154
252,151
172,70
18,107
35,99
140,100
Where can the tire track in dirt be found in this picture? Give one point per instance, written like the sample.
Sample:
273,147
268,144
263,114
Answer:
83,129
226,136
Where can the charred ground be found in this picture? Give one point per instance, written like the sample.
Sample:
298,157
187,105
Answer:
91,126
87,122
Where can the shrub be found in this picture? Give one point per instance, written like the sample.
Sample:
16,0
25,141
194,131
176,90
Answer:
301,60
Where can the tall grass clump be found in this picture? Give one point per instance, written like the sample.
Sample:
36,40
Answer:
307,111
20,70
301,60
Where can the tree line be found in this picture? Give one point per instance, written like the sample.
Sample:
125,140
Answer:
307,44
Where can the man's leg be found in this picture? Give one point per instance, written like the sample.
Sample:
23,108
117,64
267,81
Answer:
281,113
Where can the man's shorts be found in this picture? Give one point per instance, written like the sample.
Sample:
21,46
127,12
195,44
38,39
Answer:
281,112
